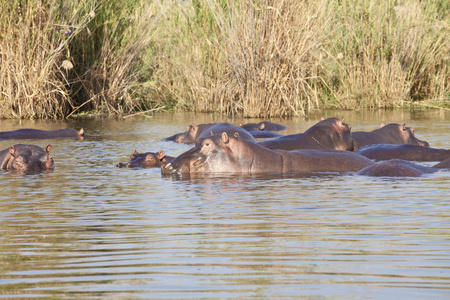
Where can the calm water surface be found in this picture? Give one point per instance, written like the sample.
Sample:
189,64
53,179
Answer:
91,230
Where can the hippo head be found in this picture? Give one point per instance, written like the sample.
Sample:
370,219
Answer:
402,134
252,126
30,158
332,133
410,138
144,160
190,136
218,153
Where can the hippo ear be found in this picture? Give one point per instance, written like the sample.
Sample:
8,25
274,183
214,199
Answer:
404,127
135,152
240,124
48,148
322,118
212,133
262,126
342,121
160,155
81,132
236,135
12,151
225,138
382,125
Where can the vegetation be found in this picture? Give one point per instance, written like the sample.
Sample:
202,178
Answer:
255,58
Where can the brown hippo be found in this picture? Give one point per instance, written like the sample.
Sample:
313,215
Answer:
175,138
393,133
263,126
29,133
329,134
146,160
405,152
221,153
400,168
196,132
443,164
24,157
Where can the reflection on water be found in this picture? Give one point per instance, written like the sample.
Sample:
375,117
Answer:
91,230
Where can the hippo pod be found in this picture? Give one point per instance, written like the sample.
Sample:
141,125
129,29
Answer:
24,157
393,133
146,160
405,152
328,134
222,153
401,168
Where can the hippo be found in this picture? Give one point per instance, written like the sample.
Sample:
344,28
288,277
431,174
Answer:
401,168
393,133
443,164
175,138
329,134
24,158
221,153
196,132
405,152
263,126
29,133
146,160
261,134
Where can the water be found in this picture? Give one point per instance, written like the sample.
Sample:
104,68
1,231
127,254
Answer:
91,230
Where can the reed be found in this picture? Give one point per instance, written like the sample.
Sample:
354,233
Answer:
252,57
284,58
30,81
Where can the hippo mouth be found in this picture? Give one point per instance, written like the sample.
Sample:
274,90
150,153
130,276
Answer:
184,167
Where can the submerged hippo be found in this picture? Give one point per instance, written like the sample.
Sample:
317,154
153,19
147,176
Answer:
263,126
196,132
393,133
146,160
405,152
222,153
24,157
331,134
401,168
29,133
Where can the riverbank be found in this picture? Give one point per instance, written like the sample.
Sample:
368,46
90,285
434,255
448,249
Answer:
246,58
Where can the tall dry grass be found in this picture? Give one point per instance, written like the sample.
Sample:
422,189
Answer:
256,58
282,58
30,81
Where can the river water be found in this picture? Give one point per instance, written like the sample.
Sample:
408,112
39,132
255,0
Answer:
91,230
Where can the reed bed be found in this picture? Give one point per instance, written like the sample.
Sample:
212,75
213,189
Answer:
253,58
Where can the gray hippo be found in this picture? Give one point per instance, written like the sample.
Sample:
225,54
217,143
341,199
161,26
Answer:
24,157
29,133
222,153
146,160
393,133
405,152
329,134
401,168
263,126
